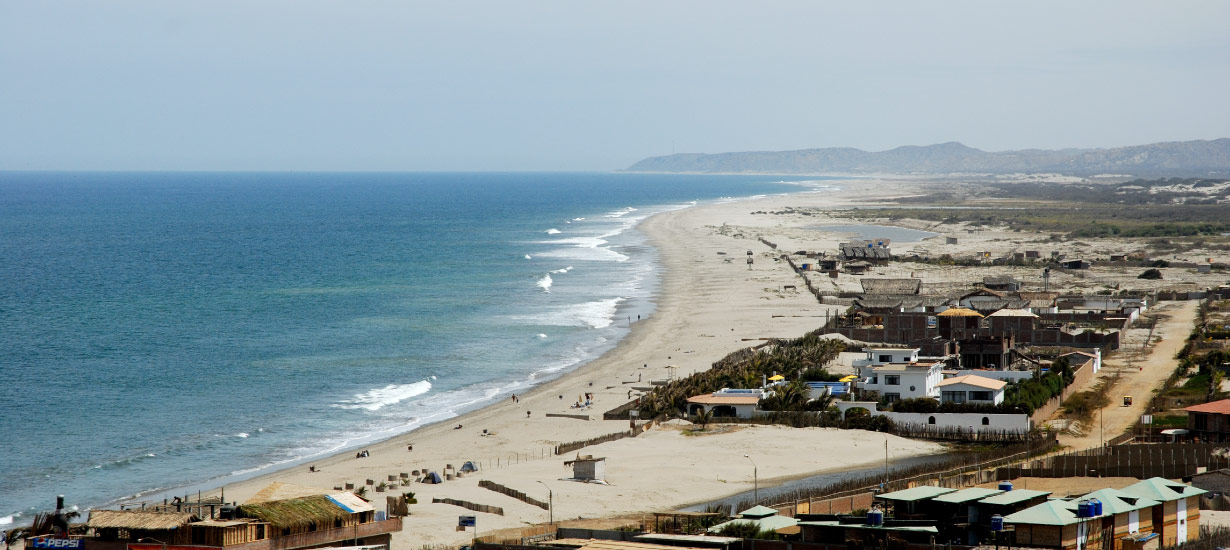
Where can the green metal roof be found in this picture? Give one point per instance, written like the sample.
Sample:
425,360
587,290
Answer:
1014,496
912,528
1051,512
1162,489
966,495
771,523
757,512
923,492
1115,501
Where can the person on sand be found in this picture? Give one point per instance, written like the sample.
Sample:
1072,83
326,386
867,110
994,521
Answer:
527,414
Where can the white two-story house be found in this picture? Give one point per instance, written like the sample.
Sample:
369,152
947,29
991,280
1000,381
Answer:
898,373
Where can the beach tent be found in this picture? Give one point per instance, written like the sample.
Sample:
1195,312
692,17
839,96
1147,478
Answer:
469,467
432,477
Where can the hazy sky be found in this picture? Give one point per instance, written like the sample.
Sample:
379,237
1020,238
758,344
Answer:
581,85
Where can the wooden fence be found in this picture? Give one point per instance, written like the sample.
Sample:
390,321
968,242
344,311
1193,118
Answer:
493,486
1142,460
470,505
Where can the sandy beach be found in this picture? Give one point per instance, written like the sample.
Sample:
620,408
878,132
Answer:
708,307
711,303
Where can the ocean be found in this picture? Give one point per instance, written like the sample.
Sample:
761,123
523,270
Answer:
159,330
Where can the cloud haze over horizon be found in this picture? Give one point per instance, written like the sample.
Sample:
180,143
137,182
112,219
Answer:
309,85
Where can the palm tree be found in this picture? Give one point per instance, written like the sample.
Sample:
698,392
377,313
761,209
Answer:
704,417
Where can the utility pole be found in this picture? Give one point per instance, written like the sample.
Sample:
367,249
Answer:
550,504
755,481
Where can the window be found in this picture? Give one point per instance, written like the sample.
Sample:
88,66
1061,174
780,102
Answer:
931,420
953,397
892,379
986,421
980,396
886,358
892,397
1201,422
875,380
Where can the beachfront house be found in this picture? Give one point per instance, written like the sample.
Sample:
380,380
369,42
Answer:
312,519
972,389
898,373
1176,519
1209,421
727,402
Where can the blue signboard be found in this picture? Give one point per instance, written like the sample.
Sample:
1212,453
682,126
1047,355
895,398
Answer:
465,521
64,544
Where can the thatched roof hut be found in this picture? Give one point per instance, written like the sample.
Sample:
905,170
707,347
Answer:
295,514
139,520
111,525
891,286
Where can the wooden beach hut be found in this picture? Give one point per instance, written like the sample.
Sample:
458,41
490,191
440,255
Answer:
117,525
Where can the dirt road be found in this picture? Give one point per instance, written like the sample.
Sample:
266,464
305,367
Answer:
1139,376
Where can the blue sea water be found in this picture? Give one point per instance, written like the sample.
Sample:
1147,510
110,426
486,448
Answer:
164,329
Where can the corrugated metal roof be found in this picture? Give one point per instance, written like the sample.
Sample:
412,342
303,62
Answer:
771,523
912,528
758,511
351,502
1162,489
1115,501
916,493
967,495
1051,512
1013,497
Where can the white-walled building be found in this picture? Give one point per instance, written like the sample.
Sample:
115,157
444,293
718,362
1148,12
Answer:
739,403
972,389
896,381
884,356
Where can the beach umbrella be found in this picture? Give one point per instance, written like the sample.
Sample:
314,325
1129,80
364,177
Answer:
776,377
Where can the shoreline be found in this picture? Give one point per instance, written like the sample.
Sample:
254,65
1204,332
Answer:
706,308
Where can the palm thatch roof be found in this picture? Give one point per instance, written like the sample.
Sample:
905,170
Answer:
282,491
958,312
138,519
294,512
891,286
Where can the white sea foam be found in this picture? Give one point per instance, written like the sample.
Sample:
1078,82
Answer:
6,520
242,434
541,335
578,219
583,248
527,256
553,231
620,213
545,283
380,398
596,314
565,270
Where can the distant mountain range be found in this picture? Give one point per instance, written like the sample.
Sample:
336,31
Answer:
1199,158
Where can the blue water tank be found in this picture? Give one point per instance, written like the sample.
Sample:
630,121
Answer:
875,518
1096,507
1005,486
1084,509
997,522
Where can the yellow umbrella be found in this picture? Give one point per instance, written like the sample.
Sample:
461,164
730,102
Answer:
776,377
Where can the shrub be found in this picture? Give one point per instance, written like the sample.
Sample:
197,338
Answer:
1152,274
